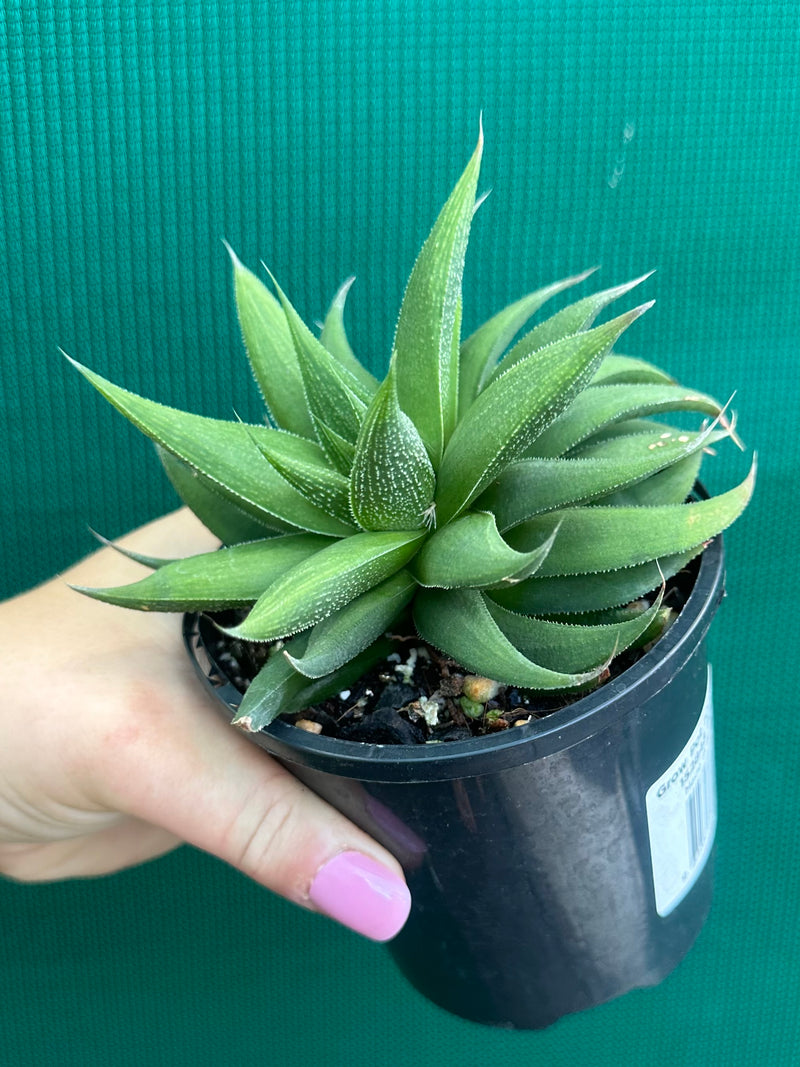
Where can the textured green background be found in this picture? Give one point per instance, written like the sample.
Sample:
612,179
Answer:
322,137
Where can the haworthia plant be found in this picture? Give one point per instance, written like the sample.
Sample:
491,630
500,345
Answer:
505,496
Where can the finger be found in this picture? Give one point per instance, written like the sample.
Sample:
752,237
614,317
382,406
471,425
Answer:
128,842
178,765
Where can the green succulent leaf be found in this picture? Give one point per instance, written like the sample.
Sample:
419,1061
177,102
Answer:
426,342
482,349
392,480
532,486
151,562
569,647
570,320
310,591
670,486
304,465
582,593
274,689
333,394
599,538
334,337
471,552
458,622
227,578
354,627
279,689
270,349
221,453
597,443
340,452
617,369
595,408
516,408
650,436
219,514
605,616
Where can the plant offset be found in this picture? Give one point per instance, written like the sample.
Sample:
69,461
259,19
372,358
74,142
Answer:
517,501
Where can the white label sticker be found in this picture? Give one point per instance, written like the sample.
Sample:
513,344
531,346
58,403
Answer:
682,814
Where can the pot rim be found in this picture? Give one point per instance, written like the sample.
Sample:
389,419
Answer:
494,752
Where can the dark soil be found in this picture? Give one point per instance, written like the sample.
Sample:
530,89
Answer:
417,695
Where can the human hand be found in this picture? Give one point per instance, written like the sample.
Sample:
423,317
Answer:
112,754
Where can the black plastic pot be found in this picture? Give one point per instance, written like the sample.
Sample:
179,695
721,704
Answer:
552,866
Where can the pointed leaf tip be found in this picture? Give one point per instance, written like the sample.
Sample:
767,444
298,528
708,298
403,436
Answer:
481,199
343,290
333,337
69,359
234,258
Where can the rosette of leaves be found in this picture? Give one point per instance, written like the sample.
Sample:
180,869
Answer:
513,498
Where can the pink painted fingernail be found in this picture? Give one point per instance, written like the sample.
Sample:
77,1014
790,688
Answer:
362,894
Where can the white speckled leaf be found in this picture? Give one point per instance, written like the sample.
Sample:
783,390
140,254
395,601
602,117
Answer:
514,409
226,578
599,538
221,452
482,349
340,452
304,465
392,480
354,627
312,590
271,351
532,486
603,405
426,341
570,320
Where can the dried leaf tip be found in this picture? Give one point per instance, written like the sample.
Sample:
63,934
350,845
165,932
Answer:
246,724
729,423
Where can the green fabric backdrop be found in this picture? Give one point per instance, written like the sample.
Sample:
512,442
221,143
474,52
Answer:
322,137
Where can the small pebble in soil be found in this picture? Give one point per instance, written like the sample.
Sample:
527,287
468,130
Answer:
309,726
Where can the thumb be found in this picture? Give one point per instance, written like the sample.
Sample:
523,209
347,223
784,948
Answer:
182,768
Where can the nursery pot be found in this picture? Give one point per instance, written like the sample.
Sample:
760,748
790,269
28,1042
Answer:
552,866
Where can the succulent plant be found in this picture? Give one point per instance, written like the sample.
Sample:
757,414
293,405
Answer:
516,499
